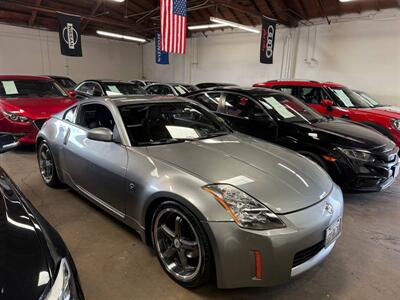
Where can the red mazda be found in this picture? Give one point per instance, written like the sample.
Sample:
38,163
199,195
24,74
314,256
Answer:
26,102
339,101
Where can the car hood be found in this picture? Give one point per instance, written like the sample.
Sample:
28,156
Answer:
280,178
24,271
37,108
345,133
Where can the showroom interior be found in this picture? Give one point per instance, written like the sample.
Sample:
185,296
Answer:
268,169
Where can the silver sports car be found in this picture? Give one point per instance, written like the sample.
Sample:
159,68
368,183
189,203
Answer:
209,200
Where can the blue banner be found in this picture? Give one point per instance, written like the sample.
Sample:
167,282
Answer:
162,57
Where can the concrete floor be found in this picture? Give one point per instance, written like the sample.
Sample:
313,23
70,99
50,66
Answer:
113,263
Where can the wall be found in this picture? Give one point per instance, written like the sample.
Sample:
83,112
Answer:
31,51
360,51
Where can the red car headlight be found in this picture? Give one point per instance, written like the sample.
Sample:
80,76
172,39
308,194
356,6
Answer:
16,117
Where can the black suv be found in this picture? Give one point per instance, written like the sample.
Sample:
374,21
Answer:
357,157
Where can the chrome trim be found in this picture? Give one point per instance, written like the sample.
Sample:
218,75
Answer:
312,261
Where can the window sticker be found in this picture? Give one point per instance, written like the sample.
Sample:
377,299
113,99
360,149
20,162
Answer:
114,89
342,96
278,107
179,132
9,87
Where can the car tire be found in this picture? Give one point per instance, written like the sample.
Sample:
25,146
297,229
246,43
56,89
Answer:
315,158
47,166
184,252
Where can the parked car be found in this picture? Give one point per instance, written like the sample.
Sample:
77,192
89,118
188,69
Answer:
203,196
190,87
66,82
26,102
357,157
170,89
372,101
141,83
105,87
206,85
336,100
34,261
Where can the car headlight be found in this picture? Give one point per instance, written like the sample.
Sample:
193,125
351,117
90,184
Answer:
246,211
16,117
64,286
358,154
396,124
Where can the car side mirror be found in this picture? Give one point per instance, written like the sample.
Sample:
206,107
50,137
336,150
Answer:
327,103
100,134
72,93
7,142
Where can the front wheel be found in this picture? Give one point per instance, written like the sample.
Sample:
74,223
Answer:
181,244
47,165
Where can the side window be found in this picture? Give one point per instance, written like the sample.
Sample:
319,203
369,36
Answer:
94,116
153,89
241,106
86,88
285,89
70,114
311,95
165,90
97,90
209,100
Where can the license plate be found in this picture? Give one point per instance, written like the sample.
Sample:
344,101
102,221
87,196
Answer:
333,231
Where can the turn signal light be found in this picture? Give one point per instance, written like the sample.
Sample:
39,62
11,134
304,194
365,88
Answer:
258,265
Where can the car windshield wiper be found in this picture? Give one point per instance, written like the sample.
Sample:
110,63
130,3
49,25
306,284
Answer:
163,142
213,135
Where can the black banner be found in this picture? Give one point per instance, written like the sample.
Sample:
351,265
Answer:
267,40
70,35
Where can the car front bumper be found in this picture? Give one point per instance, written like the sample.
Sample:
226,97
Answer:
282,253
27,131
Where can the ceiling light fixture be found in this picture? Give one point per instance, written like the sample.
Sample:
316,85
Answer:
119,1
120,36
206,26
233,24
346,0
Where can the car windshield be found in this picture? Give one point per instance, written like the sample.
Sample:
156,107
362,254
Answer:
180,89
369,99
288,109
118,89
167,123
30,89
348,98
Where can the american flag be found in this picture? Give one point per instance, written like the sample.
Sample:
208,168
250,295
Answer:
173,25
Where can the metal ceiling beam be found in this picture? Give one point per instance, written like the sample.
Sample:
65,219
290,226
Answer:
34,13
94,10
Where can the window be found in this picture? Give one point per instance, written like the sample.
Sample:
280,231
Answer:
118,88
66,82
209,100
348,98
154,124
159,90
180,89
285,89
241,106
94,116
91,88
70,114
30,88
311,95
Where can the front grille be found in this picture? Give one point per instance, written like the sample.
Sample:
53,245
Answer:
304,255
39,123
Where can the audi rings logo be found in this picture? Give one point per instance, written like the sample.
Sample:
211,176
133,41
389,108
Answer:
270,41
70,35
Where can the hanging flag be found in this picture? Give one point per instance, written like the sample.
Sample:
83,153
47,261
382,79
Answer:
267,40
173,25
162,57
70,36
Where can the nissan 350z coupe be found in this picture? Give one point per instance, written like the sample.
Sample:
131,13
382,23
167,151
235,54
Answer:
206,198
26,102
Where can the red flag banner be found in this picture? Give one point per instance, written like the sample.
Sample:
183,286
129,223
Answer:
173,25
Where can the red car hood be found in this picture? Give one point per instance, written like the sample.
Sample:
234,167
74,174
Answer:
36,108
392,112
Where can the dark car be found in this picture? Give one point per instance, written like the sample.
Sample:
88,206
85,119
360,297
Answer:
103,88
356,156
206,85
34,261
167,89
66,82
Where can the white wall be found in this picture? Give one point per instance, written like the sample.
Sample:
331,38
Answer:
363,53
37,52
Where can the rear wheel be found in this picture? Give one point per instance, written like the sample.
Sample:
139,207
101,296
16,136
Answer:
181,244
47,165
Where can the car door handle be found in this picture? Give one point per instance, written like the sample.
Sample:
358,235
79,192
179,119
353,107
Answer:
66,137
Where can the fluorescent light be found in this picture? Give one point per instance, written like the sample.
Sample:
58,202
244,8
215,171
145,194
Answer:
233,24
346,0
206,26
119,1
120,36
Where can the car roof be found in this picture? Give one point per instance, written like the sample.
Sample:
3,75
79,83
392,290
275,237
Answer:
294,82
58,77
137,99
24,77
107,81
239,89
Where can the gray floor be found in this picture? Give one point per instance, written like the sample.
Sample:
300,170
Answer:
113,263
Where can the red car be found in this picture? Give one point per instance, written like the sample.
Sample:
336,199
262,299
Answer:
26,102
336,100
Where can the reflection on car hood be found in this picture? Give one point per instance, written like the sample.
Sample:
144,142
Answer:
282,179
347,134
24,271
